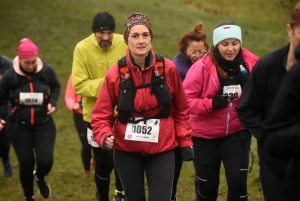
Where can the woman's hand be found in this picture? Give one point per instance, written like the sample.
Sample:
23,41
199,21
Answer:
109,142
51,109
2,124
76,106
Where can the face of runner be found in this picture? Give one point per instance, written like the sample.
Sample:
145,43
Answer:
104,38
229,48
29,64
195,50
139,41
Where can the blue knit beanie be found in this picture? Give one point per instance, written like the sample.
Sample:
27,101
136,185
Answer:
225,32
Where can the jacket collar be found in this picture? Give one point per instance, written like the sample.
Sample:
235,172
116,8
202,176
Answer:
149,60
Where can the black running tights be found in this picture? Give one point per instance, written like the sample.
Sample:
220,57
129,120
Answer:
103,169
233,151
86,150
4,145
34,144
159,171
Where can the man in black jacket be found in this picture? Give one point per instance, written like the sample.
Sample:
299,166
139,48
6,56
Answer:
282,129
256,101
5,63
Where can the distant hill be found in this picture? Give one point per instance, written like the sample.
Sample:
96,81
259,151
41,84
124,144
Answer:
272,11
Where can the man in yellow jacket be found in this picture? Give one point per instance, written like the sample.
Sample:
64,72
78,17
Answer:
92,58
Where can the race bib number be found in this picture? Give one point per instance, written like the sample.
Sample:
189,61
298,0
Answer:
144,131
90,138
233,91
31,98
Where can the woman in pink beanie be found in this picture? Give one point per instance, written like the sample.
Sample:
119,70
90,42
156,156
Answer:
33,90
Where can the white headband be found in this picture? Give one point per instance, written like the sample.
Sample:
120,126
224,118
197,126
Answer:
226,31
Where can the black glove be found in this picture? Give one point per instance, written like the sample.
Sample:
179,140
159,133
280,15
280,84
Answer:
187,153
219,102
103,143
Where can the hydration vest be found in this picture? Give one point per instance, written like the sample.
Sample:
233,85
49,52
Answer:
128,90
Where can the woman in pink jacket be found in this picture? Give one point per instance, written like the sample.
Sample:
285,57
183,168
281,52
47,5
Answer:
213,86
153,116
73,103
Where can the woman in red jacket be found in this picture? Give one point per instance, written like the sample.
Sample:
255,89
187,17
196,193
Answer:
153,115
73,103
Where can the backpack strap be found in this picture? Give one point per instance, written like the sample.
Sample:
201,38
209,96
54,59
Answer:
159,66
123,69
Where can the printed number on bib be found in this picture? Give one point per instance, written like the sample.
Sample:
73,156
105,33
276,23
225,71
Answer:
233,91
31,98
144,131
90,138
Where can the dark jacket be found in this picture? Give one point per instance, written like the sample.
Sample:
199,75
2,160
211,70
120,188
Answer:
5,64
183,63
43,81
282,128
257,98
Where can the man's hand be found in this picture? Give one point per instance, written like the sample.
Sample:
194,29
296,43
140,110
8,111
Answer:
51,109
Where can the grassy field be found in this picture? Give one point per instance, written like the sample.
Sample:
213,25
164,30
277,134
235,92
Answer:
57,25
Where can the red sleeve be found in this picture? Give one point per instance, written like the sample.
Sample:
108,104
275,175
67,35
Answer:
103,112
70,96
180,106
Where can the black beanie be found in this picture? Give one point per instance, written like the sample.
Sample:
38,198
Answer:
103,21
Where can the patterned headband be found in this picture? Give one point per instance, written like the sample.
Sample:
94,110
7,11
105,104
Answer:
136,19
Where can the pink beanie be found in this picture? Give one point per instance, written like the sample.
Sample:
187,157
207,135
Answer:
27,49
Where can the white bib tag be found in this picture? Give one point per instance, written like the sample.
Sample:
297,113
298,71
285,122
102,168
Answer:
90,138
31,98
233,91
143,131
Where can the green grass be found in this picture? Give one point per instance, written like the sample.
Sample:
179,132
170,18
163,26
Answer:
57,25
